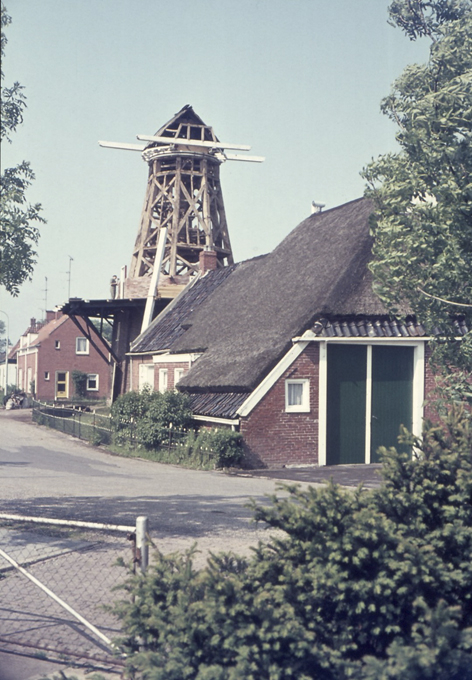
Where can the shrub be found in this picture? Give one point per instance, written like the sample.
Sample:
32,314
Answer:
371,584
221,446
146,416
80,383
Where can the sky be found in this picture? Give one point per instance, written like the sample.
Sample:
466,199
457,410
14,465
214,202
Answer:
299,80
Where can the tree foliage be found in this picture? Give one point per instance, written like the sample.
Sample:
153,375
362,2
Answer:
18,231
369,585
422,194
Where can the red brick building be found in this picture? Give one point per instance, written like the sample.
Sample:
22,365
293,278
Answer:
294,349
50,351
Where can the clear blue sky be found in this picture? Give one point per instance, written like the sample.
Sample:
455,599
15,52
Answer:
299,80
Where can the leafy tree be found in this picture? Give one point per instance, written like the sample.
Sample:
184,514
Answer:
366,585
18,231
422,222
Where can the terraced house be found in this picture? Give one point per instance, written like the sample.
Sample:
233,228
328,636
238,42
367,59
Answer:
294,349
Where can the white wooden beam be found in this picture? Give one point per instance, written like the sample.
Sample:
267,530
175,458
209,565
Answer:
120,145
248,159
181,141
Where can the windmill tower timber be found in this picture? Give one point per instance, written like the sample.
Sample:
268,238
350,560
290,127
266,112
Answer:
183,194
183,213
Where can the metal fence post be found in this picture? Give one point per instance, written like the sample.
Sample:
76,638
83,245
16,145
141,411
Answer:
142,547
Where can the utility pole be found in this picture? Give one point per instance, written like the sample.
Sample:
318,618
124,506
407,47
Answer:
6,350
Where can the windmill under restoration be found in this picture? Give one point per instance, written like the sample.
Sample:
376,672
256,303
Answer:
183,213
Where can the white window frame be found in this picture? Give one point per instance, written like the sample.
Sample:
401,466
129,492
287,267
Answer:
163,380
146,376
81,351
46,375
93,376
57,344
304,407
178,375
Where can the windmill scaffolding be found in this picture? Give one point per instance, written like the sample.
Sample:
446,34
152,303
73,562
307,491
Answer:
183,213
183,227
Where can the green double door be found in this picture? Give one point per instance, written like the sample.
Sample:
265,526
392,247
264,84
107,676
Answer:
370,394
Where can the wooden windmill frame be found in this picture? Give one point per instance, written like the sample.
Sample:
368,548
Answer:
183,212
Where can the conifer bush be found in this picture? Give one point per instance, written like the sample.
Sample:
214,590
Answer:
371,584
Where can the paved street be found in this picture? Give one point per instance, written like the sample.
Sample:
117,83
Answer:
50,474
45,473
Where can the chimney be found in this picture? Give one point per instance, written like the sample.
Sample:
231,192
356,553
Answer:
317,207
32,328
50,315
208,261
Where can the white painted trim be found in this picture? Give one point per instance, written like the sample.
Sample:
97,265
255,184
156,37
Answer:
368,406
308,336
419,367
212,419
322,403
174,358
270,379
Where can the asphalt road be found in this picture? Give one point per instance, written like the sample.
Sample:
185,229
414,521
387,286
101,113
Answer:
45,473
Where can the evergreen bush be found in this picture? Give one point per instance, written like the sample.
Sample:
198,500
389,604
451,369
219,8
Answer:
370,584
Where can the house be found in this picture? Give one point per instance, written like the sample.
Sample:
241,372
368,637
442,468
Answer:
50,351
8,369
294,349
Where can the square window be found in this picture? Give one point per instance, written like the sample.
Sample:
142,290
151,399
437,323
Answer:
81,346
92,382
297,396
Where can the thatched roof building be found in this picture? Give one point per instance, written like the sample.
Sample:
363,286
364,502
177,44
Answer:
243,318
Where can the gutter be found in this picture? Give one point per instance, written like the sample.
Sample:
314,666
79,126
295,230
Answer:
233,422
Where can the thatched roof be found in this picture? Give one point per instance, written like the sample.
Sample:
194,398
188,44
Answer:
166,328
247,322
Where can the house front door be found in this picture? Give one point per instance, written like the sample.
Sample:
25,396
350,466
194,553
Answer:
62,384
369,395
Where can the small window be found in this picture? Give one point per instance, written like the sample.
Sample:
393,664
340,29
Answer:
92,382
163,380
57,344
297,396
81,346
178,375
46,375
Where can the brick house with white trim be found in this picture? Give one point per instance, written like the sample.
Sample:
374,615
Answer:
50,351
294,349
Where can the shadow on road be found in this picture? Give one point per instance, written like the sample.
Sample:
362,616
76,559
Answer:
177,515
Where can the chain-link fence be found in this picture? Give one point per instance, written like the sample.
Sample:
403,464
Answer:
57,580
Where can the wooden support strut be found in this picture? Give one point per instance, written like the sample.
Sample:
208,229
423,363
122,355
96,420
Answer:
88,335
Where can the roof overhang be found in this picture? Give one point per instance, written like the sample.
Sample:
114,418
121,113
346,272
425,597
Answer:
101,308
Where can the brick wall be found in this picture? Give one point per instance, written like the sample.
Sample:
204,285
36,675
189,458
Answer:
51,360
274,437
